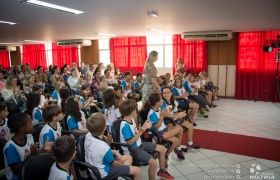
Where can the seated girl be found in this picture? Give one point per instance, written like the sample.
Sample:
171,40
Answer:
172,106
172,133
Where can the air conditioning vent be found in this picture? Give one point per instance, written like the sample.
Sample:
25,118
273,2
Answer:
208,36
8,48
74,42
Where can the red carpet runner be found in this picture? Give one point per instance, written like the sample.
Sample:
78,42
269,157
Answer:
237,144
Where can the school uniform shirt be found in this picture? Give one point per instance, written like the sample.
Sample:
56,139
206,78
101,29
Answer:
193,86
58,173
167,106
124,84
127,132
137,84
4,130
111,114
42,102
101,157
178,92
55,95
73,124
48,132
15,153
36,115
154,117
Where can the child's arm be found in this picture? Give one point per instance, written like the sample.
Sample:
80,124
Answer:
142,129
78,131
176,115
162,114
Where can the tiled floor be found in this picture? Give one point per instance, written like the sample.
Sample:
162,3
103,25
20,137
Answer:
260,119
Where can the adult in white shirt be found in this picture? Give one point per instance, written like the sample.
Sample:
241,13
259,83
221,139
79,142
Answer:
110,67
91,69
109,78
74,81
23,74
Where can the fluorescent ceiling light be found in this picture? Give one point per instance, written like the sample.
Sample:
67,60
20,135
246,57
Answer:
6,22
51,6
105,34
10,43
155,30
34,41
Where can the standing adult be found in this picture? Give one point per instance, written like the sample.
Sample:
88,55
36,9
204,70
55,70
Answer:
40,76
82,69
180,66
150,73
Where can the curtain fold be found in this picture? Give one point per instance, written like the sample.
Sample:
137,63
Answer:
256,69
35,54
64,55
129,54
193,54
5,60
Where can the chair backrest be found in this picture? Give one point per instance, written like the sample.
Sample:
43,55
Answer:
37,130
12,107
141,118
116,131
81,148
37,167
2,144
78,165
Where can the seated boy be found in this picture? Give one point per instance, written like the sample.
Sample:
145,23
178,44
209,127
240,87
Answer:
128,85
109,162
64,151
131,135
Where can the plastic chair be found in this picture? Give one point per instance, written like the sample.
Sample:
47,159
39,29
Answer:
37,130
89,169
37,167
116,144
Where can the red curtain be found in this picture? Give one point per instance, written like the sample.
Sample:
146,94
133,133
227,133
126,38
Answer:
129,54
4,59
256,69
64,55
35,54
193,54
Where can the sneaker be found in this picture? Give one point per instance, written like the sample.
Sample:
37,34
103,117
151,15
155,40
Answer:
180,154
204,114
165,175
193,146
185,149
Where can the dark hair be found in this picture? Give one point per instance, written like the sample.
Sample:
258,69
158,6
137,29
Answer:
138,74
195,76
109,98
106,70
164,83
39,67
96,124
50,111
72,109
33,101
62,69
50,67
116,69
128,107
175,82
16,121
172,101
153,99
63,148
36,88
3,106
84,87
96,70
64,93
127,73
54,68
